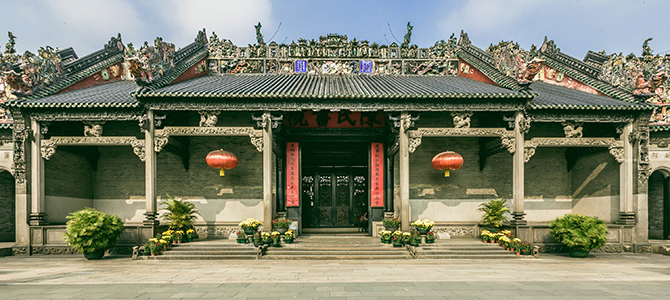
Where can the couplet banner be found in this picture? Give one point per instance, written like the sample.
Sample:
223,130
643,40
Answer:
377,175
292,175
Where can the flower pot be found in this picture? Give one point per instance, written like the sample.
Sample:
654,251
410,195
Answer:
578,253
386,241
430,241
414,244
249,231
391,229
288,241
397,245
518,253
525,252
281,230
189,239
422,231
276,244
153,254
241,241
94,255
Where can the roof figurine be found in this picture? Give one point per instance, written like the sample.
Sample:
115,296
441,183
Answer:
150,62
408,35
259,35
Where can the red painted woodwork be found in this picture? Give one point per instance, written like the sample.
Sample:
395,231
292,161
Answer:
468,71
113,72
197,70
447,161
292,175
551,75
377,176
221,160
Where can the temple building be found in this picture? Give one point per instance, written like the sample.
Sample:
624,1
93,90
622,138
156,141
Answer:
327,130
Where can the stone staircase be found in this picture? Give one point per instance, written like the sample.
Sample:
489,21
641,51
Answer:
208,249
341,246
463,249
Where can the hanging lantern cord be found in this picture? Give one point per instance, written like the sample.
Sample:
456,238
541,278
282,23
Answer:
222,171
446,173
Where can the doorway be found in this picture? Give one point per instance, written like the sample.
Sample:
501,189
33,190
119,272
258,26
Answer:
659,205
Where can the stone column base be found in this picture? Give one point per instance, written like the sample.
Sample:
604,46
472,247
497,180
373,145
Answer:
626,218
38,219
151,219
518,219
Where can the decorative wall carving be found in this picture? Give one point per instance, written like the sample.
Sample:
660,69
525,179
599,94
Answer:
48,146
461,119
572,129
88,115
615,146
507,137
162,135
93,129
455,230
209,118
20,135
539,116
524,124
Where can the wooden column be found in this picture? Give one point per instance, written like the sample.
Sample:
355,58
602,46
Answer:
626,170
267,172
37,205
518,169
150,172
403,151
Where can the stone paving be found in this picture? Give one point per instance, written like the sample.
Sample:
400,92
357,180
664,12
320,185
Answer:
601,276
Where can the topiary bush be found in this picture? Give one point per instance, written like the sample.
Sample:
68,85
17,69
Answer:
579,232
89,230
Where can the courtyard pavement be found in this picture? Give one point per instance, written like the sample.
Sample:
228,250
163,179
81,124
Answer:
601,276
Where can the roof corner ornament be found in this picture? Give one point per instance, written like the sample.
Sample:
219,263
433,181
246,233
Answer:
201,38
464,40
408,35
526,71
259,35
646,49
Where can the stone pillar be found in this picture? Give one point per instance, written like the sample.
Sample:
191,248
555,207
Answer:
281,184
267,172
37,205
518,168
626,210
403,151
150,172
388,205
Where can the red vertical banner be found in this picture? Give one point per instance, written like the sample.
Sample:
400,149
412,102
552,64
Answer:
292,175
377,176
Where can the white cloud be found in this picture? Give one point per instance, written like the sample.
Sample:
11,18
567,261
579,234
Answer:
230,19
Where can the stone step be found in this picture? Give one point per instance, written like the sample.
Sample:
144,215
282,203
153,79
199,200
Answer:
212,248
341,252
476,256
468,252
198,257
305,248
326,257
211,252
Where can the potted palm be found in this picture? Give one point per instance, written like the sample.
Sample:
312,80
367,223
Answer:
579,233
281,225
180,213
92,232
391,224
494,212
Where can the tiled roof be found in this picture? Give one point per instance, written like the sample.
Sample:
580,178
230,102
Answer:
484,62
551,96
333,86
114,94
6,125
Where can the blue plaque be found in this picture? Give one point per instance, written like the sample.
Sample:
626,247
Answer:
301,66
366,66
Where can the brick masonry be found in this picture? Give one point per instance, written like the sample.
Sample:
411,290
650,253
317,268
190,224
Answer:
7,225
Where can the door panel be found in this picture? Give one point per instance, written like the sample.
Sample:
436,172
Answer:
334,196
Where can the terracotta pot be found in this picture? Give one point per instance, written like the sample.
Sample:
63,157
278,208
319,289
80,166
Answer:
518,253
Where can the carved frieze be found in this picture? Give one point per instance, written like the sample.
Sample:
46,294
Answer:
615,146
507,137
93,129
538,116
107,115
48,146
572,129
208,118
461,119
162,135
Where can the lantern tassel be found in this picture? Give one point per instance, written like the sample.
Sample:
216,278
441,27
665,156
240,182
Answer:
446,173
222,171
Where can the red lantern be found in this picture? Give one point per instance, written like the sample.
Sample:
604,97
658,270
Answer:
446,161
221,160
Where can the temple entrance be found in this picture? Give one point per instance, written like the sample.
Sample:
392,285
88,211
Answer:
335,183
659,205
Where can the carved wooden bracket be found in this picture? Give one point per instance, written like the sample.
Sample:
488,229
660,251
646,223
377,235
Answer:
162,135
48,147
506,136
615,146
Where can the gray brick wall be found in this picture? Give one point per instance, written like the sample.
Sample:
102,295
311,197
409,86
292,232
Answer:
595,175
120,174
547,174
68,175
7,218
656,205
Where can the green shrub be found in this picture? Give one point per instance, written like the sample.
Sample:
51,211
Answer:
180,213
579,232
494,212
89,230
391,222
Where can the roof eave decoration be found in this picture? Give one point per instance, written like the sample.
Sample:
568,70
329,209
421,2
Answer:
157,65
486,63
33,76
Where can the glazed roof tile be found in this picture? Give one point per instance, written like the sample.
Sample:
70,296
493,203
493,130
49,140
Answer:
114,94
333,86
551,96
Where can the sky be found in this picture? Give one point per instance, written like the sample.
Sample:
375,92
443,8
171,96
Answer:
576,26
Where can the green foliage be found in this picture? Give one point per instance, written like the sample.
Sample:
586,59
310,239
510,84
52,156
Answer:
494,212
579,232
281,222
391,222
180,213
89,230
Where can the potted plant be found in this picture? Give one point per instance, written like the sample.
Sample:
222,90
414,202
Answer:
250,225
579,233
167,236
486,236
526,248
258,240
92,232
391,224
163,245
494,212
288,236
154,247
397,238
241,238
281,225
385,236
265,236
415,239
276,238
180,213
406,238
189,235
430,238
516,246
423,226
179,235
